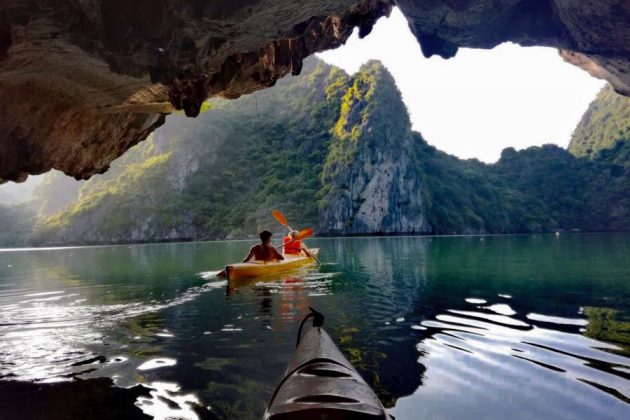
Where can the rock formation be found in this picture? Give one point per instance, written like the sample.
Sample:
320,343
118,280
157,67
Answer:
331,151
356,171
81,81
605,122
373,189
590,34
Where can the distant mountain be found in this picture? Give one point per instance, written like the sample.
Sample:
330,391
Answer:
332,151
606,121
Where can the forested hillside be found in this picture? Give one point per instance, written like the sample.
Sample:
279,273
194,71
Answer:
331,151
606,121
540,189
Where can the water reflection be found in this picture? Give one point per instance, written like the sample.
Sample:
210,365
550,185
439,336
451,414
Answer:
522,354
381,281
460,348
56,335
293,292
607,324
166,402
440,327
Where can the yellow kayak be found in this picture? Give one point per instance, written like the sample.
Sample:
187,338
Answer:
255,269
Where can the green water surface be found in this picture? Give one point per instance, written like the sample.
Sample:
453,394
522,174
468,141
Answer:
441,327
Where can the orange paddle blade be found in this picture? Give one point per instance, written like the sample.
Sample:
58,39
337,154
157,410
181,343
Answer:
303,234
280,217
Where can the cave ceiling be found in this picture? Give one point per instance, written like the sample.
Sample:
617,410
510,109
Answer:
82,81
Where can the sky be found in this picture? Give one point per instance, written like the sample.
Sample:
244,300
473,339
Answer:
481,101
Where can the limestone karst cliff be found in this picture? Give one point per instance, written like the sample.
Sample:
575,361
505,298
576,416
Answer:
372,184
606,121
81,82
333,151
239,158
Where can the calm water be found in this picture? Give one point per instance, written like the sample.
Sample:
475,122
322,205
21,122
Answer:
454,328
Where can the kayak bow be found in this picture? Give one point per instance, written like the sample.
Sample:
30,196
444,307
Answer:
320,383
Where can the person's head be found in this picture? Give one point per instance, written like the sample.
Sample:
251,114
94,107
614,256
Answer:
293,234
265,236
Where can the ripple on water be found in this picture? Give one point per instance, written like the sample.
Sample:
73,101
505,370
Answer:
158,362
476,301
557,320
167,402
45,335
501,308
460,348
499,319
231,328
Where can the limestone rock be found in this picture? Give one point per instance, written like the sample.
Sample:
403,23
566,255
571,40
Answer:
374,185
591,34
82,81
605,122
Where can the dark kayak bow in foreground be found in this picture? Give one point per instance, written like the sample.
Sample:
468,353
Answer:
320,383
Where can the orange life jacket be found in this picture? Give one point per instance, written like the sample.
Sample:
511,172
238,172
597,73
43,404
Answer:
294,247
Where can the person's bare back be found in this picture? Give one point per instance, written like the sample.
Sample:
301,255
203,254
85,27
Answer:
264,251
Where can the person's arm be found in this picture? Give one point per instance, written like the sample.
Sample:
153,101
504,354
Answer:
250,255
279,256
305,249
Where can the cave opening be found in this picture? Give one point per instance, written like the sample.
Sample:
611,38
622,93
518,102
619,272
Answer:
459,169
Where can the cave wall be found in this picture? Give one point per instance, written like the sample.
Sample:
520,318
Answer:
591,34
81,81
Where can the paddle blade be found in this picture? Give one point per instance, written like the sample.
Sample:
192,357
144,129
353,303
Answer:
303,234
279,217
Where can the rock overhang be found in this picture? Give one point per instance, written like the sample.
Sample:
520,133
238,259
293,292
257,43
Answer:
84,80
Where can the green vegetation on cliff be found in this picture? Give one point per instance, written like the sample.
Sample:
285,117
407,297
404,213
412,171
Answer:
462,195
275,144
332,151
565,192
539,189
216,176
606,121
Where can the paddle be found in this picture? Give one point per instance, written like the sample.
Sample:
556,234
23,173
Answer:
303,234
281,219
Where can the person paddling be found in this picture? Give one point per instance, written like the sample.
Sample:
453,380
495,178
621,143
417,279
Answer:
294,247
264,251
